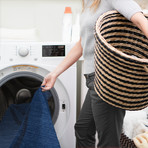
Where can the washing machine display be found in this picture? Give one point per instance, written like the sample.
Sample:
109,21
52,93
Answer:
23,66
53,50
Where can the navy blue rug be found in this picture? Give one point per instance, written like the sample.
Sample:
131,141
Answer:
29,125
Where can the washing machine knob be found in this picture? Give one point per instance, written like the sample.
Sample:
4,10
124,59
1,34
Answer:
23,52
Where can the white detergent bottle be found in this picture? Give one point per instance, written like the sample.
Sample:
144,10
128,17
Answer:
67,25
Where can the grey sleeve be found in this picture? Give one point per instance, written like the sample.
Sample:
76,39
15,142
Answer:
126,7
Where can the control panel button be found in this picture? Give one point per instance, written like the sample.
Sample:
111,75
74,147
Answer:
23,52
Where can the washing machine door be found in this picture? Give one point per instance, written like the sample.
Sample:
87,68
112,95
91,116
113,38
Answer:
18,84
19,87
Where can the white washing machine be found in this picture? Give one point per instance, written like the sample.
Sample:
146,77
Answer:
23,66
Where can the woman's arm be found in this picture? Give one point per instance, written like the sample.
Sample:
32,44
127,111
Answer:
132,11
141,22
74,54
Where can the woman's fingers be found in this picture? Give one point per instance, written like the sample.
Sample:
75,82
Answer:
136,141
48,82
141,140
46,88
145,136
43,83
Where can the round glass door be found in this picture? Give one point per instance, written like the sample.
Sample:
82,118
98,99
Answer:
19,87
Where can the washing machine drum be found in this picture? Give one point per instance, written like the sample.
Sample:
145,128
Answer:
20,87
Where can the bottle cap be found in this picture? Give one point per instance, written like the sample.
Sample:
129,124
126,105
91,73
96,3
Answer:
67,10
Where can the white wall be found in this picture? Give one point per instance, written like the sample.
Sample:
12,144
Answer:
143,3
44,15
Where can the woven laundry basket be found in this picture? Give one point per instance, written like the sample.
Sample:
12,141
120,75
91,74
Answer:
126,142
121,62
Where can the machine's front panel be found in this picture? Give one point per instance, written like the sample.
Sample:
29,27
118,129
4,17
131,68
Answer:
33,52
30,62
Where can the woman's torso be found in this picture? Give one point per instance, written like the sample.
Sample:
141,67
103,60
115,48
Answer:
87,25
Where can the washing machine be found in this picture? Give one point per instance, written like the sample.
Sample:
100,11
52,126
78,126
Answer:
23,66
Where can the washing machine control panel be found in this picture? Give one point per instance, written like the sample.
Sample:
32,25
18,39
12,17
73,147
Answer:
33,52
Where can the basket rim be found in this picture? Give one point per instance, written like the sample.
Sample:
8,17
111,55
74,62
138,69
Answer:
97,26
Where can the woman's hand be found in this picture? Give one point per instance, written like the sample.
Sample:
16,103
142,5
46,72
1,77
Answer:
141,140
74,54
48,81
141,22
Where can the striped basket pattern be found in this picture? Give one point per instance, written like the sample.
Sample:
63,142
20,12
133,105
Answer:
126,142
121,62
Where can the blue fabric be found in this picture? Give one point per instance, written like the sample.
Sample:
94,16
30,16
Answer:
36,130
10,123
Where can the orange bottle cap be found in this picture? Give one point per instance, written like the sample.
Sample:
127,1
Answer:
67,10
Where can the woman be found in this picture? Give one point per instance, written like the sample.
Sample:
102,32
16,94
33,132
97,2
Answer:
96,115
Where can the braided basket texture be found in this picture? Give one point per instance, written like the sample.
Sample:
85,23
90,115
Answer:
121,60
126,142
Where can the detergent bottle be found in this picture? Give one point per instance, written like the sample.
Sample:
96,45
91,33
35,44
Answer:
67,25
